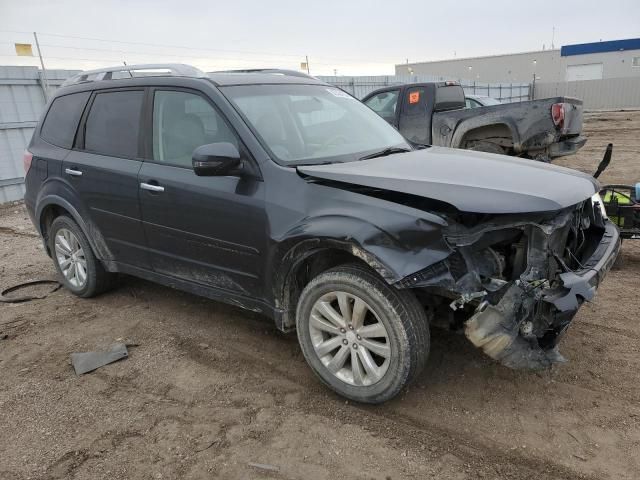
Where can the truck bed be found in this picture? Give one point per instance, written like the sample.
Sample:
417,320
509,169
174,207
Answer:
520,128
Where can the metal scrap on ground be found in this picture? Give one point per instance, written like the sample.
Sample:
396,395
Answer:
86,362
264,466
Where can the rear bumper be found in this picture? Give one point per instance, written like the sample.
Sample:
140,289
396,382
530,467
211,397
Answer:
505,331
568,146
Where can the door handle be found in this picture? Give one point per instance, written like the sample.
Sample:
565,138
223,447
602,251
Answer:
151,188
72,172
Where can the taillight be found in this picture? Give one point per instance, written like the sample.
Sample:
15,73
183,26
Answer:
557,115
26,161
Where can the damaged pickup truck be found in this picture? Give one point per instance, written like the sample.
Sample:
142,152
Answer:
283,195
434,113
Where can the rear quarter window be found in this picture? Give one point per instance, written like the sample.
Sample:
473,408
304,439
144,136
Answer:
113,124
61,122
450,98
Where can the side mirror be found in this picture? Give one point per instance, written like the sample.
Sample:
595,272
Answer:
215,159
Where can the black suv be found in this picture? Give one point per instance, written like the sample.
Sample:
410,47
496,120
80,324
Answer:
284,195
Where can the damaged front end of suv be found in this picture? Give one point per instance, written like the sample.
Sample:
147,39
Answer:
521,278
527,244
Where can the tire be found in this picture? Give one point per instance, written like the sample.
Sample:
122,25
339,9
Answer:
96,279
406,328
488,147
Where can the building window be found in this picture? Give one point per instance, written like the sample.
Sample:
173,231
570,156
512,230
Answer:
636,62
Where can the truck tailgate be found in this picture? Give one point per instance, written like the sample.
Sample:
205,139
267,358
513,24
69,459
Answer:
572,116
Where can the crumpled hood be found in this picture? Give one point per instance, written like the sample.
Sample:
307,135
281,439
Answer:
470,181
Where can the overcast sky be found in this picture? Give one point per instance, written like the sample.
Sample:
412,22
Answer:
352,37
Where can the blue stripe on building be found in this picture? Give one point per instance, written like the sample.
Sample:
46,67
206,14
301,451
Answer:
600,47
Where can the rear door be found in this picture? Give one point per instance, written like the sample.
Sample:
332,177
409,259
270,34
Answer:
208,230
103,169
415,117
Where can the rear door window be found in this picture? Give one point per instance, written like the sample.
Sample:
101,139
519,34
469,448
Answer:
60,124
113,124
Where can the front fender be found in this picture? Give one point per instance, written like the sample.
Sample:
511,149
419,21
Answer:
396,248
403,246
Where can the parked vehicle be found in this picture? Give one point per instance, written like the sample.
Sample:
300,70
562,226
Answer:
435,114
475,101
286,196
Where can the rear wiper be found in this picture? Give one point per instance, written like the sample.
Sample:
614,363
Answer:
385,152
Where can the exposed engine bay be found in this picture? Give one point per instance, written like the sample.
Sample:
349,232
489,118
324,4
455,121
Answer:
515,282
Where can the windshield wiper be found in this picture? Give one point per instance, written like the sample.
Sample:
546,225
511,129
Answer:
385,152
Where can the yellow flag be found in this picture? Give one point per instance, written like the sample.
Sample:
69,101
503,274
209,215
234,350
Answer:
24,50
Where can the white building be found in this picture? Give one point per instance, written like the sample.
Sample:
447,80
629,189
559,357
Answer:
586,61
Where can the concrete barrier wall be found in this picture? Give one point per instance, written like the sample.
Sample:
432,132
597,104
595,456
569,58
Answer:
22,101
605,94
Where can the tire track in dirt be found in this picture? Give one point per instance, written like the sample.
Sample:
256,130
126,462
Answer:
471,448
248,348
609,329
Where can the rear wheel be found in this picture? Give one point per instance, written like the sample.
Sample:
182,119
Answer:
362,338
487,147
79,269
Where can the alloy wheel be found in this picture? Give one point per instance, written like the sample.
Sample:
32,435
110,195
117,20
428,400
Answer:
70,257
349,338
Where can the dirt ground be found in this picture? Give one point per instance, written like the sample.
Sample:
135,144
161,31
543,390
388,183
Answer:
210,390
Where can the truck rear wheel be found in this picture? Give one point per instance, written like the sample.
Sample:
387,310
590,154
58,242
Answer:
362,338
487,147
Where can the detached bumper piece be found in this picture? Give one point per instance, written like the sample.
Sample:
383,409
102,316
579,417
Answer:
506,332
567,147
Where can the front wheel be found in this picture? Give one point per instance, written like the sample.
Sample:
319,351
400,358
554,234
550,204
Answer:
362,338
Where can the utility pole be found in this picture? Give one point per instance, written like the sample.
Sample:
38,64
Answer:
44,82
307,59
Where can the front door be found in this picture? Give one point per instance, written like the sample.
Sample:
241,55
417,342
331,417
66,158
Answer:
103,169
208,230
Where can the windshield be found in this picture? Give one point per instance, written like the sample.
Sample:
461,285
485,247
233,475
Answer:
301,124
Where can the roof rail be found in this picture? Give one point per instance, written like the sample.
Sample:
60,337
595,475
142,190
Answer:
276,71
175,69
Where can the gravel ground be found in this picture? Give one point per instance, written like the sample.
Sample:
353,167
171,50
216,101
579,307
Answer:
212,391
